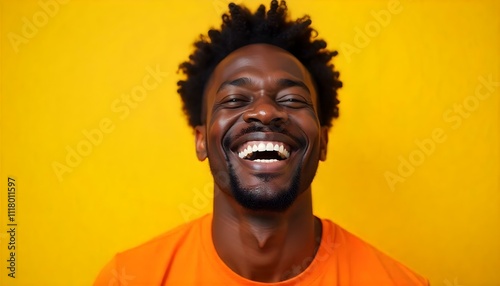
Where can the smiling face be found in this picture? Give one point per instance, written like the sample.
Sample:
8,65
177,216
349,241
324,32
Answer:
262,134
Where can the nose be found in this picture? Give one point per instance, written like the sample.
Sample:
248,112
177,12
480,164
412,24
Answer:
266,111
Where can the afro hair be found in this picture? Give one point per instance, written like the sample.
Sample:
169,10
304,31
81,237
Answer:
240,28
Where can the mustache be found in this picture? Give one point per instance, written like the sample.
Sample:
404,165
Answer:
257,128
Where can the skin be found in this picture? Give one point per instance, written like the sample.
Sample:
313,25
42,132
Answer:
266,88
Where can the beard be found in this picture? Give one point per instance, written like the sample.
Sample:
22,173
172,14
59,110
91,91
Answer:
262,197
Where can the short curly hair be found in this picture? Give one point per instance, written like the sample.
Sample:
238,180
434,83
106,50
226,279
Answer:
242,28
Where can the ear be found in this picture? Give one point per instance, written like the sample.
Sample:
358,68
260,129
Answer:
323,143
200,142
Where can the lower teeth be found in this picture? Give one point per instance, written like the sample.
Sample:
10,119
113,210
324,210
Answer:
265,160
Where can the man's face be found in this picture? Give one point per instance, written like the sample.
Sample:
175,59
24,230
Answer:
262,134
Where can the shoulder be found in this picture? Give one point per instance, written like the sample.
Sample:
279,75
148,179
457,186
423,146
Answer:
168,241
368,264
147,262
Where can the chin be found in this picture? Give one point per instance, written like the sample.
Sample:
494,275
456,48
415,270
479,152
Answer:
266,196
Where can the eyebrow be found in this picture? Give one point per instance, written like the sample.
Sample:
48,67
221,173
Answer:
285,82
242,81
282,83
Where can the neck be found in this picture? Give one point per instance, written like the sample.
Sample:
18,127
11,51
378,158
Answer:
265,246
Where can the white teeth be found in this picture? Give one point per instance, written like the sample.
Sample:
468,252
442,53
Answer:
269,147
276,147
262,147
265,160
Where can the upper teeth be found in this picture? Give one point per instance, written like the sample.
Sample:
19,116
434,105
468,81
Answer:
261,147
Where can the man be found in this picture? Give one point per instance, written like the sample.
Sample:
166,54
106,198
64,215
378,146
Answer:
260,94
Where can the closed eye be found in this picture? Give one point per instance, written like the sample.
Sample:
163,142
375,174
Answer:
234,101
293,101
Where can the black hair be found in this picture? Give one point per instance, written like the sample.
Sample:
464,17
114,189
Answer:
241,28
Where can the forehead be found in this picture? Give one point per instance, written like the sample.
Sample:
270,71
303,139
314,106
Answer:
267,62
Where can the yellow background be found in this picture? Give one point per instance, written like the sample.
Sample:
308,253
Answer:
142,178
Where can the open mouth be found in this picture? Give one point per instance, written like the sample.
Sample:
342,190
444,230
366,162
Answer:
264,151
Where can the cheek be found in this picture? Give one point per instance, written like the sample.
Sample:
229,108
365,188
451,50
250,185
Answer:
220,123
308,122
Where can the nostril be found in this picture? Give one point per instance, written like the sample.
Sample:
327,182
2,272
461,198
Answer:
277,125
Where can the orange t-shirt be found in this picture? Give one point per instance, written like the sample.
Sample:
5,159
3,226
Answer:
186,256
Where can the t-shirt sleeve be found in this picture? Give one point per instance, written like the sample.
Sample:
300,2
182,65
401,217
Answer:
108,275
